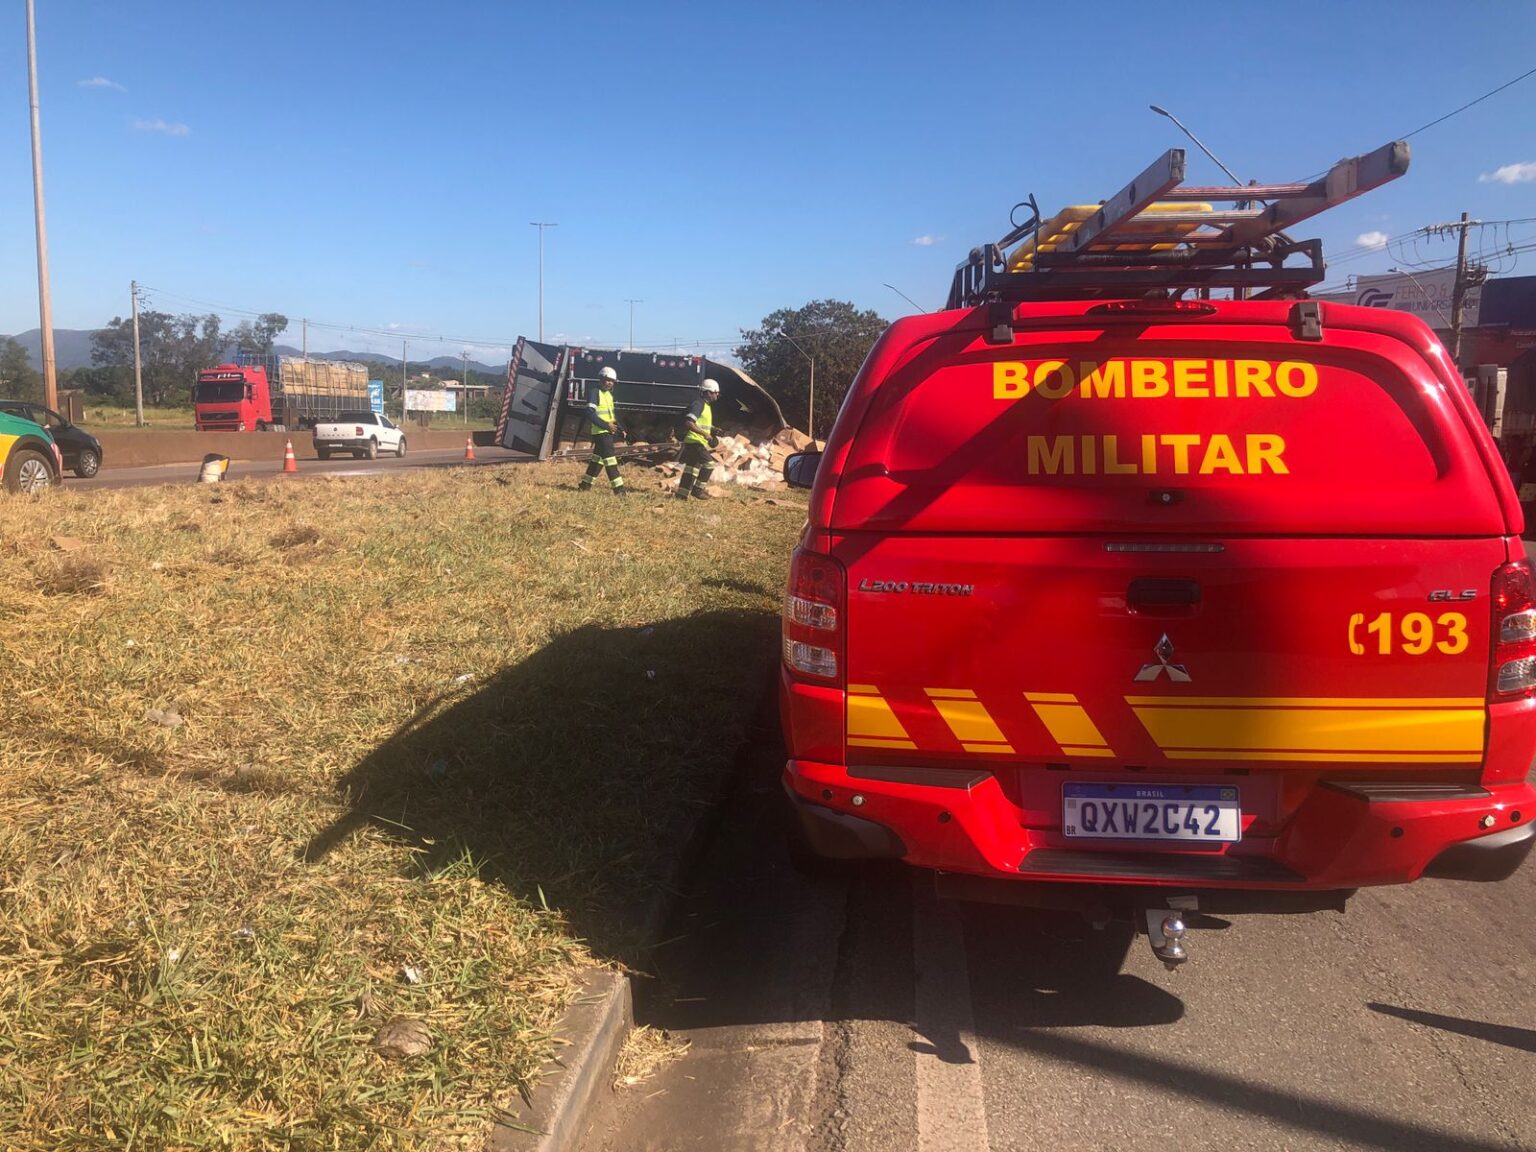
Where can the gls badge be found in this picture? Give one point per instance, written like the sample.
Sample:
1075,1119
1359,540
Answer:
1163,650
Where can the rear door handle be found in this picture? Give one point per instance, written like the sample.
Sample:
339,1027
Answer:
1157,596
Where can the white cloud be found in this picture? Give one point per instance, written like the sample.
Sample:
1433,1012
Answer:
1522,173
1375,239
161,127
101,82
926,241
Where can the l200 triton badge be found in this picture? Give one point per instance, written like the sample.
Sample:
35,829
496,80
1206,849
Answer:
1163,650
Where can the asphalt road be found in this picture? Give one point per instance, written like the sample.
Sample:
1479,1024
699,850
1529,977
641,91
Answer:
856,1013
308,464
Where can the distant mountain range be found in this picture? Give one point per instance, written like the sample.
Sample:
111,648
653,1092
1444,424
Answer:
450,364
72,349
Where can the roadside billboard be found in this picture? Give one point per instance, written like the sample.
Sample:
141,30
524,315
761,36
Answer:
376,396
422,400
1426,295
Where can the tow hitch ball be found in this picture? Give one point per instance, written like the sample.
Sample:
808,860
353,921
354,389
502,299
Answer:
1165,932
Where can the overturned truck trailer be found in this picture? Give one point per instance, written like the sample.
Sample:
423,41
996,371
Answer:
544,410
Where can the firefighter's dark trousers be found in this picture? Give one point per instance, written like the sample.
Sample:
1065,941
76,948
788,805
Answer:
698,467
603,457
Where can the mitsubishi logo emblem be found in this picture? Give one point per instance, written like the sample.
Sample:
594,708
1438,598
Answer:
1163,650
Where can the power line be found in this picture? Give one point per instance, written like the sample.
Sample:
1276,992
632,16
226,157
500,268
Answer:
1453,112
1470,103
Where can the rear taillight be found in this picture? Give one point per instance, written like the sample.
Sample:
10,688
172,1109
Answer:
358,431
814,605
1514,632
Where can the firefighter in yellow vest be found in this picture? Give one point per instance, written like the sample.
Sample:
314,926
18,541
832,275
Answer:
604,426
700,436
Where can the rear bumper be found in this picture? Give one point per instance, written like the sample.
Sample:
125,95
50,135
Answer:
1491,857
1341,837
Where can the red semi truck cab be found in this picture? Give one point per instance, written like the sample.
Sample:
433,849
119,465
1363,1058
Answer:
232,398
1115,594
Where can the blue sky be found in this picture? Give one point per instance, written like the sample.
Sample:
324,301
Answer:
376,165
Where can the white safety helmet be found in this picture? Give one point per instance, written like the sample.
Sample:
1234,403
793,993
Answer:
608,374
711,387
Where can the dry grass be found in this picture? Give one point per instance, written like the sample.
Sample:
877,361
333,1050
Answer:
448,722
646,1051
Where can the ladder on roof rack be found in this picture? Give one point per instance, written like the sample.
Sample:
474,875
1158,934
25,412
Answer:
1157,234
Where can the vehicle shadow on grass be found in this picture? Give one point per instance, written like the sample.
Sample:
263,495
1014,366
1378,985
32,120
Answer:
576,776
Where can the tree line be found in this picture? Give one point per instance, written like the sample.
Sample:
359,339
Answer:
173,349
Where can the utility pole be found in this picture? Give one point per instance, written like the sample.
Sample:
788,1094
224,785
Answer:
138,367
466,385
632,304
1466,278
541,225
403,379
1459,293
44,303
306,339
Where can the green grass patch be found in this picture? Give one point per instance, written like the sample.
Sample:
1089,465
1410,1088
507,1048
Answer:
281,763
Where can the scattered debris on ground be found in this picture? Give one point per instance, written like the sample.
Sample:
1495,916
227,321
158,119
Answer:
739,461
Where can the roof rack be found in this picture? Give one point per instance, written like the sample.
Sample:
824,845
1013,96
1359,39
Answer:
1158,235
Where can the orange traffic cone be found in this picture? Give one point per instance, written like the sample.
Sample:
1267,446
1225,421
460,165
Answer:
289,463
469,447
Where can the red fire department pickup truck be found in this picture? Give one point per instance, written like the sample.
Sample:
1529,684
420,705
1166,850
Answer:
1145,601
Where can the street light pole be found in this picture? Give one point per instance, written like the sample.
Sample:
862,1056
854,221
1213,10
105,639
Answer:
907,298
632,304
138,368
1164,112
810,407
44,303
541,225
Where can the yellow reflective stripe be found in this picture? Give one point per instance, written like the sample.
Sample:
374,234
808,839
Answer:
1393,729
1330,757
1088,751
989,749
1050,697
1069,725
5,447
1306,701
863,690
870,717
872,742
968,719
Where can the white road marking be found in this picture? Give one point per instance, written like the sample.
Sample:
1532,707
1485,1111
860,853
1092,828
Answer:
951,1110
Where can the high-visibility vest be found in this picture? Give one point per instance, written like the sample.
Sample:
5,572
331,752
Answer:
705,420
603,407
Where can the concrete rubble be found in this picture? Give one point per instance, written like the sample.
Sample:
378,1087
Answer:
739,461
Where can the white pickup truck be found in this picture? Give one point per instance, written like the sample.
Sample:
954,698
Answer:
364,434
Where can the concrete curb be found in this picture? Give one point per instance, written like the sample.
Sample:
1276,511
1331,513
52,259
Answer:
565,1099
562,1101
